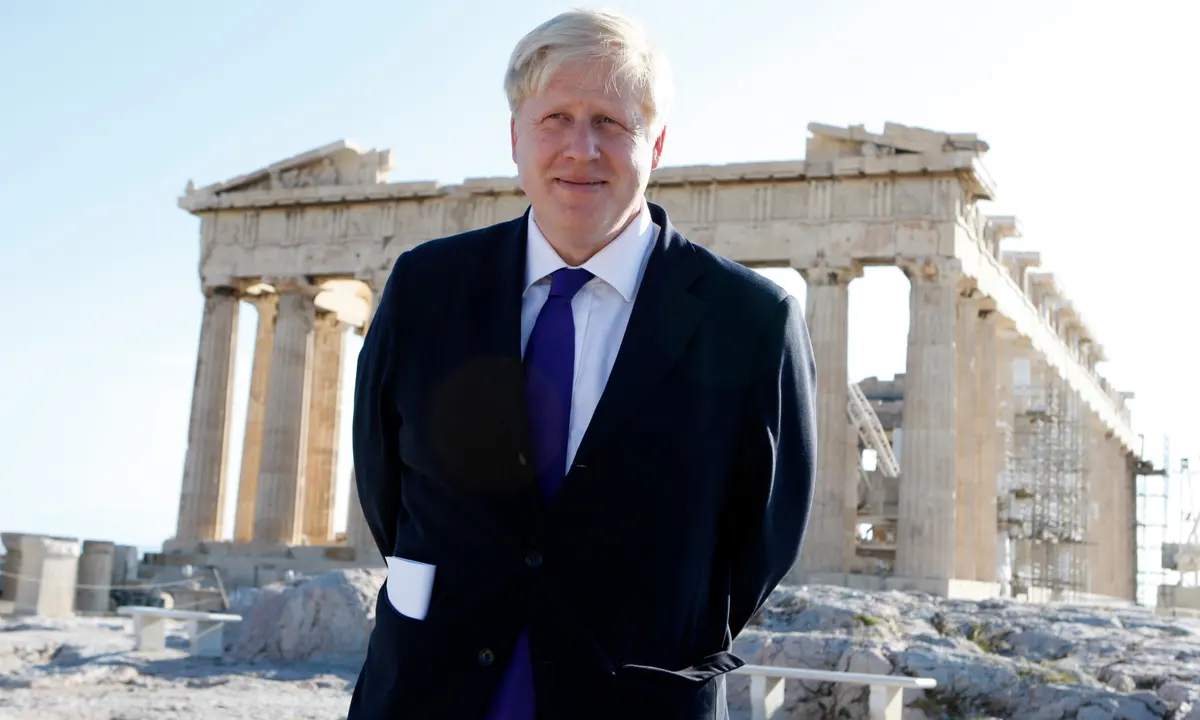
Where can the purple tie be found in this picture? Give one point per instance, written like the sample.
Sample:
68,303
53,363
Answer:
549,378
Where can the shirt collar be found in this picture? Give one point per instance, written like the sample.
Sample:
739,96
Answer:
618,263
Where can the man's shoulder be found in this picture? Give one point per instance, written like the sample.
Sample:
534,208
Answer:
736,284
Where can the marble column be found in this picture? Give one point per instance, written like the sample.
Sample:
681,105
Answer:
986,418
49,567
267,306
827,315
967,464
358,534
1123,478
850,501
95,577
925,532
279,505
12,566
1102,523
125,565
323,423
201,499
1005,339
1128,485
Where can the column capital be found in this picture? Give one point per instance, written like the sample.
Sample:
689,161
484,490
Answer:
55,547
826,273
329,320
293,285
261,298
219,290
931,269
969,292
12,541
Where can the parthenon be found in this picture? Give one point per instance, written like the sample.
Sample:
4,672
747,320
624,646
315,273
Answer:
1006,429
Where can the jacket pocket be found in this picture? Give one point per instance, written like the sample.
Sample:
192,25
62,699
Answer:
691,693
649,677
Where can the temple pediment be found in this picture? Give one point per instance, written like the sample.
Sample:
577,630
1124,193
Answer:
339,163
896,139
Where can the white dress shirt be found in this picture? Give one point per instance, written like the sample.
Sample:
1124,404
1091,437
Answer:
601,309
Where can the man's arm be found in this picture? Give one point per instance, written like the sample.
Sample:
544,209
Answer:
774,483
376,425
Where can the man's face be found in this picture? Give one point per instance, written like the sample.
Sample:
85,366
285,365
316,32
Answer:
583,154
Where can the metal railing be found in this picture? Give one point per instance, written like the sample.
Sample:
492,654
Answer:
885,702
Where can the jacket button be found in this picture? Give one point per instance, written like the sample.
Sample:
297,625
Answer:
486,657
521,460
533,559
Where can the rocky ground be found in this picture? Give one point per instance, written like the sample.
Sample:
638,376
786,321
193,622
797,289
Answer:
83,669
991,659
297,653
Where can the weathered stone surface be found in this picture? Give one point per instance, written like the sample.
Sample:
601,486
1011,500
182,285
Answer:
994,658
331,615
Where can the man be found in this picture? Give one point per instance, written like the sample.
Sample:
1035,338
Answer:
584,445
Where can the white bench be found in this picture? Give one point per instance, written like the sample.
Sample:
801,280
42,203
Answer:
886,701
205,629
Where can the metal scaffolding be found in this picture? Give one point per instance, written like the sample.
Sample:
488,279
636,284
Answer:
1047,484
1152,498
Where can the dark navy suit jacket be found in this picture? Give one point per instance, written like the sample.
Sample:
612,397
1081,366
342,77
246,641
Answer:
685,505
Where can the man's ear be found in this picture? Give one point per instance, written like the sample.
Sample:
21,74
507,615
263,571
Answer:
512,129
658,148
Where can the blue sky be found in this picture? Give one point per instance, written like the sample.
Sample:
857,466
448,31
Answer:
109,109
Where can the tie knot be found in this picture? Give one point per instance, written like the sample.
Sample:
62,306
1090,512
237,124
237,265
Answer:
565,282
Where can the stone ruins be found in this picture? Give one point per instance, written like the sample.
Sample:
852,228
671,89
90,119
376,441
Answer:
1014,460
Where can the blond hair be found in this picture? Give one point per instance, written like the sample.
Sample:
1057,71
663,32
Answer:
592,37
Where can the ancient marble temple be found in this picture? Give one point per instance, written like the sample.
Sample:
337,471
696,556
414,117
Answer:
309,242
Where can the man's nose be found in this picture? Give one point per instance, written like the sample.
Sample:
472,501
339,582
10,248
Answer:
582,142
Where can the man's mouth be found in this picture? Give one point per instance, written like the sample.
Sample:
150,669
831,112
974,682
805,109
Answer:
581,183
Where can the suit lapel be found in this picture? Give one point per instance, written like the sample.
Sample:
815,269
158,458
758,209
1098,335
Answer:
499,286
665,314
500,283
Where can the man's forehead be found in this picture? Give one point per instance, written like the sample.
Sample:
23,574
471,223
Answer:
592,79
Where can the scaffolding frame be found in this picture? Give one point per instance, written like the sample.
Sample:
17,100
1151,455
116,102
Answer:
1049,504
1152,497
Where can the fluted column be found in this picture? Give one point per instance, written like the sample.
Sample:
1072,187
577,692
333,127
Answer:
1104,555
12,566
1125,479
1005,340
94,578
323,422
358,535
850,501
827,315
201,499
986,412
967,464
267,306
279,506
925,533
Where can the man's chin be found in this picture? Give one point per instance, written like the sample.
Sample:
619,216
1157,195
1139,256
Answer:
575,209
